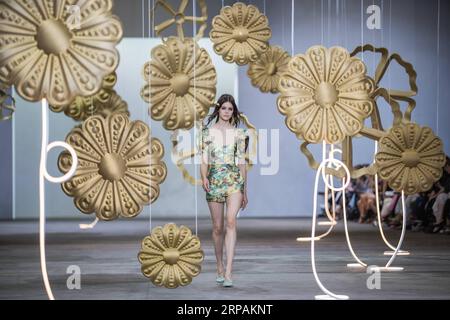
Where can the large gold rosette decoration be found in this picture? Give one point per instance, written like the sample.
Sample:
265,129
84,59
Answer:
47,52
265,72
240,33
326,95
180,83
118,171
410,158
171,256
104,102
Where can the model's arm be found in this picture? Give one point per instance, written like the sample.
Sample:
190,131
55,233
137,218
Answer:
204,174
204,165
241,152
243,169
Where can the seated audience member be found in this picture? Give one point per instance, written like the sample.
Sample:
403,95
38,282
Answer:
367,201
442,195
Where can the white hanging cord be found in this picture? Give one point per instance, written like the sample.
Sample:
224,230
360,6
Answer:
91,225
321,22
382,21
333,205
338,22
329,23
362,29
151,26
143,18
378,207
373,42
390,46
13,143
292,27
44,140
44,175
345,23
402,236
321,170
438,65
264,6
314,18
194,26
397,250
380,226
344,210
347,237
330,216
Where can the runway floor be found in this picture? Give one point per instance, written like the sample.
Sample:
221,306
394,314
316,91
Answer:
269,263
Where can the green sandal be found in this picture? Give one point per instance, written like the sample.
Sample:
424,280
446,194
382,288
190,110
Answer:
220,279
227,283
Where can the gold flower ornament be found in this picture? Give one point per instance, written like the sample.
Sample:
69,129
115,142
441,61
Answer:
325,95
49,51
240,33
180,83
410,158
119,167
171,256
265,72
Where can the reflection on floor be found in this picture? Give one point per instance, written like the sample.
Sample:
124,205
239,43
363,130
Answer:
269,263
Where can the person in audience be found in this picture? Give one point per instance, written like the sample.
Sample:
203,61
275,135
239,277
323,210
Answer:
442,195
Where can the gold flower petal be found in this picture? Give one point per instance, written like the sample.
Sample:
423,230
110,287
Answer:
150,248
87,200
44,56
112,176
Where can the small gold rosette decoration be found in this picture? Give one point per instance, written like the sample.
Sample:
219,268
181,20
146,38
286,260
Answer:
57,49
325,95
118,171
240,33
265,72
171,256
180,83
410,158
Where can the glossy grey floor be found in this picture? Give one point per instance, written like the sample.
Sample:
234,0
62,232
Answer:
269,263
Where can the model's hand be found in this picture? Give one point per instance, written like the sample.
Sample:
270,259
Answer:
205,184
244,201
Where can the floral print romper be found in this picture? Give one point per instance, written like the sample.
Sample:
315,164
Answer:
224,175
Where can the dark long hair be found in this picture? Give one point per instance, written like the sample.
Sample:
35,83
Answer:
236,119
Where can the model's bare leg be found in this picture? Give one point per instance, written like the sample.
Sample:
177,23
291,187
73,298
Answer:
216,210
234,202
361,208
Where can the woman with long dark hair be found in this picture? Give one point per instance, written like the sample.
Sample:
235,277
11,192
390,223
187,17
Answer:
225,182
